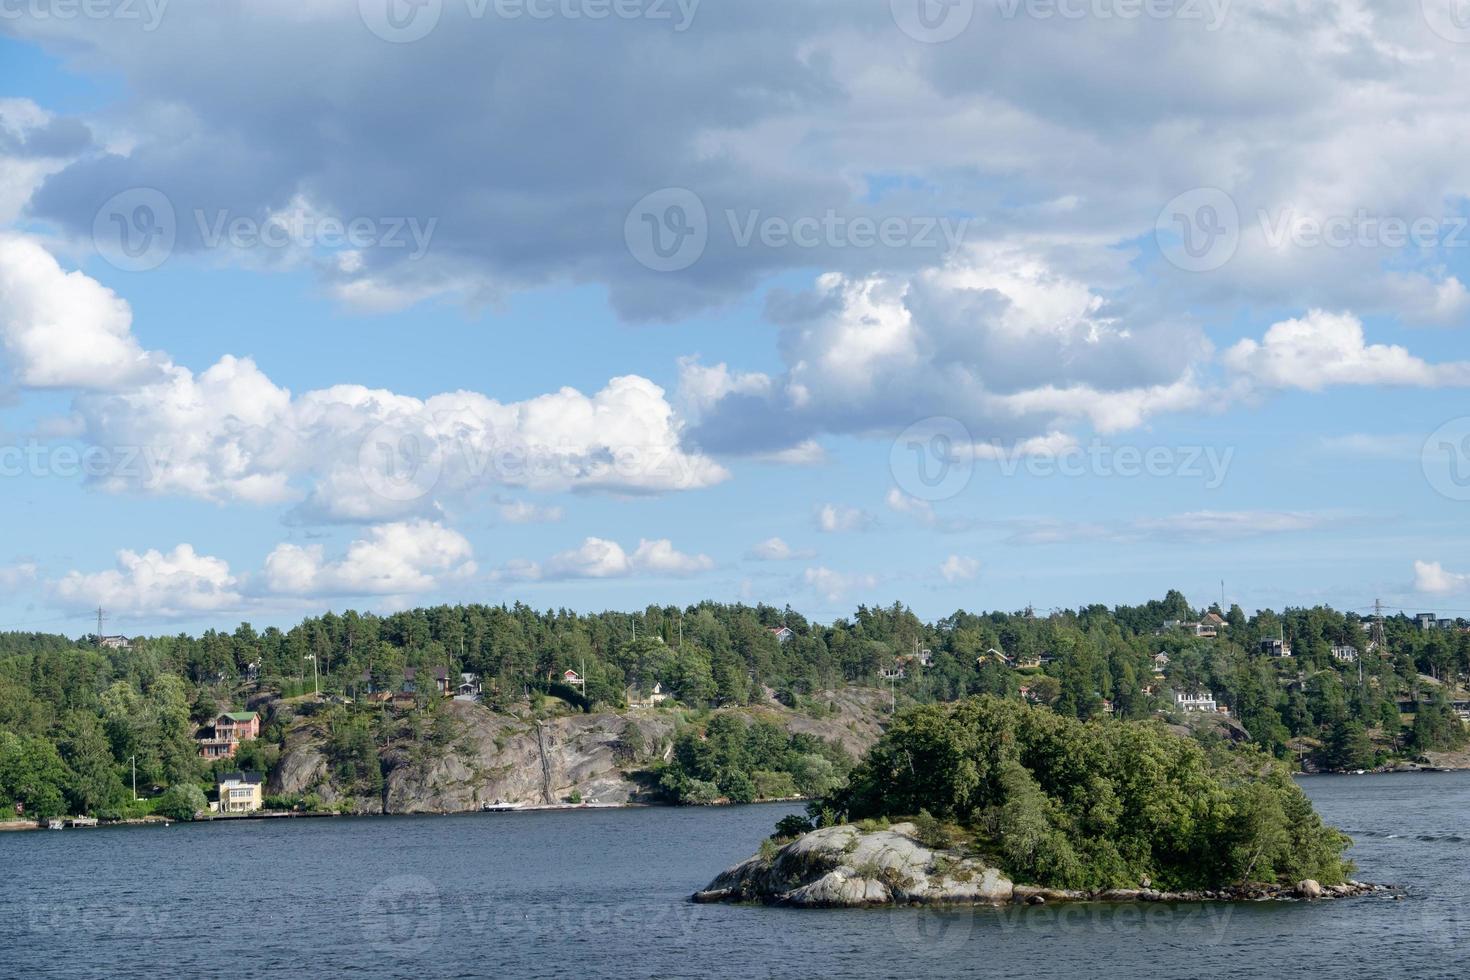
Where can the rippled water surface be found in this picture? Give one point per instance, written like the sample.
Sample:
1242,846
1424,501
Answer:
604,894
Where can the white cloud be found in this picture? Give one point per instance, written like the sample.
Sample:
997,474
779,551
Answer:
525,512
347,453
833,586
63,329
835,518
599,558
775,549
394,559
1431,578
1323,349
1206,524
957,568
154,583
18,575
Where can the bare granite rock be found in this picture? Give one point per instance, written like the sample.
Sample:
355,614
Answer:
844,867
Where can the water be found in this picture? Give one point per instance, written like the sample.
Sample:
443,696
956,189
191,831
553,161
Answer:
604,894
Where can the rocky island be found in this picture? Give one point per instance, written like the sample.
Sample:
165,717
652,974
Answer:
1015,804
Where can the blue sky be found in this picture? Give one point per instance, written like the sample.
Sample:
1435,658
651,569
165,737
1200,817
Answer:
743,417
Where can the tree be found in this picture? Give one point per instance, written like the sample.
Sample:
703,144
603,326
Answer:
1348,747
182,801
92,782
32,774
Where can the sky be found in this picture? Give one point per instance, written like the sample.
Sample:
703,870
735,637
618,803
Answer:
967,304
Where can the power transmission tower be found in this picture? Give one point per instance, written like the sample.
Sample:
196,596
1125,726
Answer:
100,617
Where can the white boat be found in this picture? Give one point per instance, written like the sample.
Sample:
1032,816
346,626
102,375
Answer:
500,806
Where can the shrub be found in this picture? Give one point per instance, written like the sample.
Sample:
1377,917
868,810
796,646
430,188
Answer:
791,826
181,801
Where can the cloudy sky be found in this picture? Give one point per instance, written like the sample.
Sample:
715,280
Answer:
310,304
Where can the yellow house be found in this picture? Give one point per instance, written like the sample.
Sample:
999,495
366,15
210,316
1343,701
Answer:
240,792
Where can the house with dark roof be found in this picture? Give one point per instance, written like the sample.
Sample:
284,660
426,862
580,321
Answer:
240,792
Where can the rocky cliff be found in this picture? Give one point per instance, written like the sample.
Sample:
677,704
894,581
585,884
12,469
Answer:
520,759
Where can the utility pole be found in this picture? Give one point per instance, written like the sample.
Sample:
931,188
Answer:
316,687
134,761
100,617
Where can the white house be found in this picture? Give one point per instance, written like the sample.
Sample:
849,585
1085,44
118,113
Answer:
783,634
1345,654
1195,701
115,643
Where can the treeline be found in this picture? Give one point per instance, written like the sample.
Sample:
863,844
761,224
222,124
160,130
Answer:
75,717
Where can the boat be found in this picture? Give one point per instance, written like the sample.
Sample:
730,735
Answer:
500,806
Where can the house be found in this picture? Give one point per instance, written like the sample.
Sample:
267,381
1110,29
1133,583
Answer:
573,679
658,695
1107,706
995,656
1279,649
115,643
414,676
1427,621
1195,701
1202,630
1161,660
894,673
783,634
220,740
1345,654
1027,661
1029,695
468,688
240,792
1214,619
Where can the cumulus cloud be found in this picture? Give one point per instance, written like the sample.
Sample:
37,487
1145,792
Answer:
525,512
834,586
599,558
775,549
401,558
154,583
1323,349
958,568
1431,578
344,453
63,329
836,518
1208,523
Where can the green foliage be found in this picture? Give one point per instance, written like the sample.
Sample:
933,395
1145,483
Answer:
792,825
32,774
747,762
1067,804
181,801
